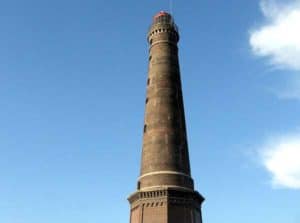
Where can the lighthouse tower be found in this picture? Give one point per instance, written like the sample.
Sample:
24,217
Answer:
165,189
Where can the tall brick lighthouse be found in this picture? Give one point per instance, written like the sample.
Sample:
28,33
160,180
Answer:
165,189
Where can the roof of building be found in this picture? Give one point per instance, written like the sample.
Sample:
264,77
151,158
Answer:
161,13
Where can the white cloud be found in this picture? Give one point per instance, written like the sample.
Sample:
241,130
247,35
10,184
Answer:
281,158
278,40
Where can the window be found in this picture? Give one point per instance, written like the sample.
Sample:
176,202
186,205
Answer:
139,185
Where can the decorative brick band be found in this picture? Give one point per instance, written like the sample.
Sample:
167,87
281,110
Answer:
170,196
163,172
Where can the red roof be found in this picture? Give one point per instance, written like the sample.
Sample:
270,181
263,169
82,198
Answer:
161,13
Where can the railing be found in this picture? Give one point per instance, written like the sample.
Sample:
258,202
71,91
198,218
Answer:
165,19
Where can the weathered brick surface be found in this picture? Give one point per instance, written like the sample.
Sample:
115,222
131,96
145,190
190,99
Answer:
165,188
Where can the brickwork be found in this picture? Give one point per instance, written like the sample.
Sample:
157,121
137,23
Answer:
165,187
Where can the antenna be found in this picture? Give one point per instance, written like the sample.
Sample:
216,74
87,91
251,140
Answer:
171,6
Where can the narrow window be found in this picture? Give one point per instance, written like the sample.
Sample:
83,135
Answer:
139,185
148,81
145,128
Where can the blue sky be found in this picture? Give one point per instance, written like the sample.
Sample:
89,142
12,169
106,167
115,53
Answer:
72,91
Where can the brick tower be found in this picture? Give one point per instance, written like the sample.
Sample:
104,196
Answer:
165,190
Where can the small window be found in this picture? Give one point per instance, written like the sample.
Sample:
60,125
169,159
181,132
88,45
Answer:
151,41
150,58
145,128
138,185
148,81
147,100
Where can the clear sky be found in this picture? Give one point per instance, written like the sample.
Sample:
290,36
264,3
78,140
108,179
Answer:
72,92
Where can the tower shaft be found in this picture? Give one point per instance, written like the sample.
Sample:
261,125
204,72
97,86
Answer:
165,192
165,159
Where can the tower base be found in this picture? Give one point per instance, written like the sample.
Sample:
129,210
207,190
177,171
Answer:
167,205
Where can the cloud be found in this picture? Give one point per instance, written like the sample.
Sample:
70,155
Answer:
280,157
278,40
